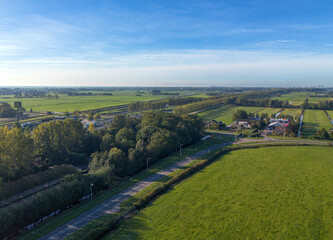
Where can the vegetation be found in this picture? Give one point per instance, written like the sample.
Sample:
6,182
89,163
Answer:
292,112
313,121
6,111
294,202
70,103
224,113
124,183
11,188
121,151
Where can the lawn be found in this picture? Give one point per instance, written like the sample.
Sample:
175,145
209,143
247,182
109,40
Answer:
224,113
314,120
295,98
266,193
292,112
70,103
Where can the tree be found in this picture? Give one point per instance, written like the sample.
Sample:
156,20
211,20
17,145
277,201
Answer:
125,139
16,153
91,127
239,114
31,110
322,134
90,116
97,116
76,113
56,141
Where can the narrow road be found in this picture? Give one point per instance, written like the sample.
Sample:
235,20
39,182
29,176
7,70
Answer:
112,205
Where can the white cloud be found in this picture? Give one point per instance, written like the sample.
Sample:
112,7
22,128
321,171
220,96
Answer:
178,68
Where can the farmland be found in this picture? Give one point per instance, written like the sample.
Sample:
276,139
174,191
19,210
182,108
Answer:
314,120
71,103
292,112
270,111
297,98
266,193
224,113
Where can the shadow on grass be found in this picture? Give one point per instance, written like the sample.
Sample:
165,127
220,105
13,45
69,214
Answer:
310,129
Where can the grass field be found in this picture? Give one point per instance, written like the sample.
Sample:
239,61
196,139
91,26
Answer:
297,98
292,112
70,103
330,113
270,111
266,193
224,113
319,99
314,120
75,211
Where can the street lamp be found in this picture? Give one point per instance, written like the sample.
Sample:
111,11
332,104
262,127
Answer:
180,150
91,192
148,163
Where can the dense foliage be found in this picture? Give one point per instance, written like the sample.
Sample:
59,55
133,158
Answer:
127,144
160,104
14,187
121,150
6,110
58,142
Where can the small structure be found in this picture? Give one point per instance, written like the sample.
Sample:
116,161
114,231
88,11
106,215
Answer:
246,123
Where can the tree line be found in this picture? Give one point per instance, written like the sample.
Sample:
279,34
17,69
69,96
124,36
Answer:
160,104
323,105
118,151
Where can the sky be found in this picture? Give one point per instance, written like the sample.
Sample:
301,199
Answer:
166,43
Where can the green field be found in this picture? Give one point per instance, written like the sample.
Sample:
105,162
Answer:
330,113
266,193
314,120
224,113
319,99
292,112
296,98
70,103
270,111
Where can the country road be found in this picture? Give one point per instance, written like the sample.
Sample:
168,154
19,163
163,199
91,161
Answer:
112,205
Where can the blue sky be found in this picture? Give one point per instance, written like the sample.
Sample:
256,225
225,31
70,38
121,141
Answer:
166,43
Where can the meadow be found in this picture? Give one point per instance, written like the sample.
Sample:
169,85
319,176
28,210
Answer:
292,112
265,193
270,111
224,113
313,121
82,103
295,98
330,113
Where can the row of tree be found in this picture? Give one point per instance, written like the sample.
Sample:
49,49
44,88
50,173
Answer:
119,151
160,104
127,144
53,143
325,105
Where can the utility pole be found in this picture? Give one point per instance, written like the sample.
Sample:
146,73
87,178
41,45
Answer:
148,163
91,192
18,106
180,150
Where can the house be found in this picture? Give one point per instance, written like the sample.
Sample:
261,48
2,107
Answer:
243,123
280,129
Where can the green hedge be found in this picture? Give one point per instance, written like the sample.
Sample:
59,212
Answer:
12,188
95,229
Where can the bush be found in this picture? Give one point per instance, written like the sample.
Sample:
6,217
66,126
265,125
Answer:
20,185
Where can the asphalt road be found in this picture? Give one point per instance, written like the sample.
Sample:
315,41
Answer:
112,205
